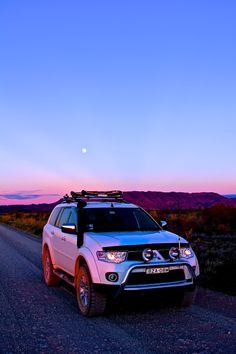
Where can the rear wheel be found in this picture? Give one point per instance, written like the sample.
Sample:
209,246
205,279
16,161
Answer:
50,278
90,301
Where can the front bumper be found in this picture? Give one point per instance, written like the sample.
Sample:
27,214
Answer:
179,274
187,277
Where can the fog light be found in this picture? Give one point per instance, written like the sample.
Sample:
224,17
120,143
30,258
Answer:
174,253
147,254
113,277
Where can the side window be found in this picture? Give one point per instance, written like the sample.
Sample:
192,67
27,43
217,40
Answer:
53,217
73,219
64,217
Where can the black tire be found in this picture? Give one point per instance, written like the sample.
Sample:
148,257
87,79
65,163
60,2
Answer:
50,278
90,302
186,297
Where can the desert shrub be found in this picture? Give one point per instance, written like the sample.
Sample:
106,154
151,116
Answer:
31,222
211,232
217,220
217,259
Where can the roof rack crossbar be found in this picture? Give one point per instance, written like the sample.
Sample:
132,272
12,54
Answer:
102,196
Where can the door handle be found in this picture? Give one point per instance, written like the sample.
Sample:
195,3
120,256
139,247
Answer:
52,233
63,238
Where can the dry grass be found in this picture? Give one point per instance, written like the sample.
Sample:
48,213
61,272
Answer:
211,232
32,222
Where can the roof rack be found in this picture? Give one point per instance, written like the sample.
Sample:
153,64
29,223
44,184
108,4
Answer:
101,196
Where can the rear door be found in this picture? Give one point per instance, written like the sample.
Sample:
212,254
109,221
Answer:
59,238
50,230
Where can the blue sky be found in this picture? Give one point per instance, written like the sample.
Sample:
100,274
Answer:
148,87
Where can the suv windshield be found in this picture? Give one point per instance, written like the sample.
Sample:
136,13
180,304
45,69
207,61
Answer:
116,219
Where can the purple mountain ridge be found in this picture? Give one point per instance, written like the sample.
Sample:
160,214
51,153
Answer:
149,201
176,200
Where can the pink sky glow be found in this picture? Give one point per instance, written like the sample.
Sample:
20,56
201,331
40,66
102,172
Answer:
50,194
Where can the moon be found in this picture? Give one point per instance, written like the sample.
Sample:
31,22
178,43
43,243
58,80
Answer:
84,150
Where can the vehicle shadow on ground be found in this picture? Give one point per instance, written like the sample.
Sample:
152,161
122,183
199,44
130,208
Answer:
134,303
140,303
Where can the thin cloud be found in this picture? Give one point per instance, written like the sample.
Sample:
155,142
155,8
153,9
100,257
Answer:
21,196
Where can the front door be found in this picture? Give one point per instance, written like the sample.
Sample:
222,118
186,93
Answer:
70,245
60,238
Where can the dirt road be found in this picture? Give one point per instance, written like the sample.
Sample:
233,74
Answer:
37,319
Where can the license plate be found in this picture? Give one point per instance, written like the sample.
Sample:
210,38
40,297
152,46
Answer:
157,270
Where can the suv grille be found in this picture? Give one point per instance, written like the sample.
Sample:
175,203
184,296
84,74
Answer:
135,251
137,255
143,278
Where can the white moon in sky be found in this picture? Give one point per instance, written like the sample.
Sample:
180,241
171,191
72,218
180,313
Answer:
84,150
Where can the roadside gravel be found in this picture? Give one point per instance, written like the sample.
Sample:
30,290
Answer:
37,319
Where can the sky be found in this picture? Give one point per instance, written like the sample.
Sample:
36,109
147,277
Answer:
147,87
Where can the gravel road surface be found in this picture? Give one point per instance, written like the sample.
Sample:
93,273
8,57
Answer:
37,319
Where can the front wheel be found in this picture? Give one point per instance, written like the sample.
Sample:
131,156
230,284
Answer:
90,301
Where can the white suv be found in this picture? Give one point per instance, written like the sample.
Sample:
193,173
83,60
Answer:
103,245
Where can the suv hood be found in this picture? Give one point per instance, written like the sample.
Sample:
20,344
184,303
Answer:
109,239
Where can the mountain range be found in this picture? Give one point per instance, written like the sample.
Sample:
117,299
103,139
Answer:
177,200
232,196
149,201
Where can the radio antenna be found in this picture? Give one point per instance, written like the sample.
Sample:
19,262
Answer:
179,242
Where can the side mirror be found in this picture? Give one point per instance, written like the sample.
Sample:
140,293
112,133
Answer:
163,223
68,228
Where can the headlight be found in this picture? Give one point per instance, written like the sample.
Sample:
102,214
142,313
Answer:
186,252
112,256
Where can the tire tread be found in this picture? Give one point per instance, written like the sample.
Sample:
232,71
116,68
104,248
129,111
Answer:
98,300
